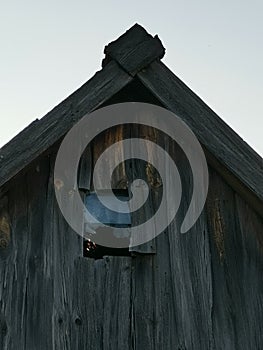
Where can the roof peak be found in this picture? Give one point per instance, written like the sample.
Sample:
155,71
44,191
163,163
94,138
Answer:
134,50
138,53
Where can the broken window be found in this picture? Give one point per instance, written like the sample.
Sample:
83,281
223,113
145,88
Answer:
101,214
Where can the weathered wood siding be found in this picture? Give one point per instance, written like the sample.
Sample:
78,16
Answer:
200,290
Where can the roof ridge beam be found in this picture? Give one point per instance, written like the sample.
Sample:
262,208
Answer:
134,50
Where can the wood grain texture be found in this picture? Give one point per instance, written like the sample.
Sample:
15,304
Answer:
85,170
99,145
42,134
134,50
5,226
216,136
237,268
125,173
101,303
172,289
26,284
200,290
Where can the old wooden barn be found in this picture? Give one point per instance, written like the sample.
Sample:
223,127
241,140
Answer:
200,290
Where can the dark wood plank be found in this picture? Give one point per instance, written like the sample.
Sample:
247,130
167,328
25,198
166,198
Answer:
251,227
99,145
39,286
5,224
86,316
101,304
85,170
67,245
200,290
172,290
26,264
136,169
172,293
237,265
134,50
14,271
116,303
42,134
217,137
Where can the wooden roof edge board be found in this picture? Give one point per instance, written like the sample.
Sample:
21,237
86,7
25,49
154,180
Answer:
27,129
43,133
219,139
134,50
236,184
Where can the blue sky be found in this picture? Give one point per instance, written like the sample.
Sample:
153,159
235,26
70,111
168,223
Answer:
49,49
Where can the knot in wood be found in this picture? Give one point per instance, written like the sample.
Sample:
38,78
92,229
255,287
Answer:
4,231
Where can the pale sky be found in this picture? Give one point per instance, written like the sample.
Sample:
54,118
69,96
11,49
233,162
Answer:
50,48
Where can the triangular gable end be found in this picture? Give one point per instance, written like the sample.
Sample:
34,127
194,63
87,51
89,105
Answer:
136,56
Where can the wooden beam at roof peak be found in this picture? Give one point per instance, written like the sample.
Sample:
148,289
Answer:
134,50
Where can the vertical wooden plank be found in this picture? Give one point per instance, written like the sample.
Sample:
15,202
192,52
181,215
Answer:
85,334
5,225
237,263
102,303
85,170
143,303
26,292
172,293
100,272
51,297
6,279
99,145
66,247
251,227
39,287
224,246
117,298
138,169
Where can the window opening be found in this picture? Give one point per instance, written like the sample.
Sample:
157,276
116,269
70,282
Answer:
104,215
